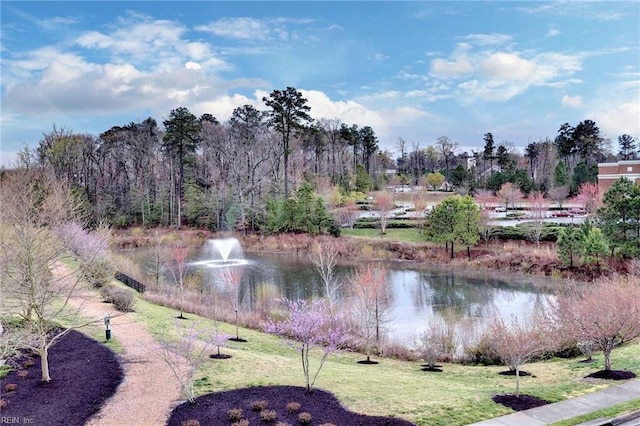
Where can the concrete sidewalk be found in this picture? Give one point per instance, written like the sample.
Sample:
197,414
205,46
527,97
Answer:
569,408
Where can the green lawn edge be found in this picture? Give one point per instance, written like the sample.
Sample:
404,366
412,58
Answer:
609,412
458,396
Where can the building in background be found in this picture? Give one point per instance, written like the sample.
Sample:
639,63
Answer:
608,173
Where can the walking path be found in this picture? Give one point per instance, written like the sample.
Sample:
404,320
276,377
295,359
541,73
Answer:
569,408
149,391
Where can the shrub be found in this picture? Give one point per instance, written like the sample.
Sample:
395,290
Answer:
10,387
235,414
190,422
23,373
483,352
268,416
106,292
3,404
283,424
28,363
304,418
259,405
123,300
99,272
243,422
293,407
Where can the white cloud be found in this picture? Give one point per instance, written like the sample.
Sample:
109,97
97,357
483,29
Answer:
380,56
553,32
239,28
617,109
487,39
192,65
501,75
386,121
507,66
572,101
458,65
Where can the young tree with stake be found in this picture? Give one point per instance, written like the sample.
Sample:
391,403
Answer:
516,342
310,324
370,304
230,278
179,268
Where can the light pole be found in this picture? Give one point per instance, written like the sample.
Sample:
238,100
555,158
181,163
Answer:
107,320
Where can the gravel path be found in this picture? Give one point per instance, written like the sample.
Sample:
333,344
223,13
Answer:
149,391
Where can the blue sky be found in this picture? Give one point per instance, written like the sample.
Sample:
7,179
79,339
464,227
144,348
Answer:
410,70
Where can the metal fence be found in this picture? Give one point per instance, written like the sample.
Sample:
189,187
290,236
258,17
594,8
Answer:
130,282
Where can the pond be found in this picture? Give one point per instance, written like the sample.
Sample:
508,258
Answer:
419,293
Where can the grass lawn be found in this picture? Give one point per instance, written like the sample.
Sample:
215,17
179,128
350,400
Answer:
408,235
459,395
610,412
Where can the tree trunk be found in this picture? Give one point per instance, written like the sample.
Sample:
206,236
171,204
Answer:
237,328
452,249
44,364
607,358
517,381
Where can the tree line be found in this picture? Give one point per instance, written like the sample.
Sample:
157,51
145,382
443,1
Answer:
198,171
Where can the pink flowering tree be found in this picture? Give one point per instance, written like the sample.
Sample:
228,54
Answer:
219,340
516,342
310,324
606,314
590,197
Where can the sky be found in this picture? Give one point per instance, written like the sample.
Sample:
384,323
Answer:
411,70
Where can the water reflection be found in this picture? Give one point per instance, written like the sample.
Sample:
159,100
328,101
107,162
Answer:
418,297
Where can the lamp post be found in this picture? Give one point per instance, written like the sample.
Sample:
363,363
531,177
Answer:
107,320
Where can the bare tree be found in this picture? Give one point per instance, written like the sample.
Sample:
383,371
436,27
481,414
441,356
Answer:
185,355
370,303
178,267
230,278
538,206
436,342
324,257
35,206
383,203
559,194
606,313
516,342
510,195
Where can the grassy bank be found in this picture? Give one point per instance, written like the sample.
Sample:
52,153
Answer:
459,395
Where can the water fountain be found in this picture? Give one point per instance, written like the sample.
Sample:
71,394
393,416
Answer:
222,253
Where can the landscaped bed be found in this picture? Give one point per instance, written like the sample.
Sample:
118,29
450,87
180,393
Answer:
84,374
286,404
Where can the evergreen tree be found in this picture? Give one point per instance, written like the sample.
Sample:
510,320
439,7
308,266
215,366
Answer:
363,181
561,174
180,140
627,146
620,217
289,113
569,246
594,247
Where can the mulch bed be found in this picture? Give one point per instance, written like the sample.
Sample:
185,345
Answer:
612,375
323,407
84,373
522,373
519,403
